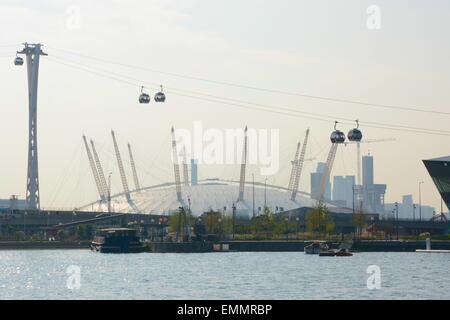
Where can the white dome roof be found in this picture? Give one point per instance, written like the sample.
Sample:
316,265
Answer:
209,194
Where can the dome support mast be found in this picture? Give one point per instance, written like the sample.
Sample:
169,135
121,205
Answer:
299,167
101,175
243,167
123,177
133,168
94,171
294,167
176,167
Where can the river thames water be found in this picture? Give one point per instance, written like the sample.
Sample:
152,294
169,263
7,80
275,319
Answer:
81,274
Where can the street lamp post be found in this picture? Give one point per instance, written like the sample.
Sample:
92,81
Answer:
234,218
24,223
153,229
220,228
265,194
287,228
297,225
109,192
420,200
396,212
253,198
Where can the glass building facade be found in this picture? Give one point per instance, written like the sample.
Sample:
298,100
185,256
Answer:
439,170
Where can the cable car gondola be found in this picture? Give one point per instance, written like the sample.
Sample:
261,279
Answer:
337,136
160,96
355,134
144,97
18,61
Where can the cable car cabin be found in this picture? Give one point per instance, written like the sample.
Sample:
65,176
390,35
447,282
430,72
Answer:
355,135
160,97
117,240
144,98
18,61
337,137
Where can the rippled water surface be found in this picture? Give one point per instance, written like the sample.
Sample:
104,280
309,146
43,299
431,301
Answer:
43,275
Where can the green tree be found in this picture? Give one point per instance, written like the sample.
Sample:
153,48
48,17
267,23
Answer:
80,231
359,221
62,235
180,220
318,220
265,223
88,232
212,221
19,236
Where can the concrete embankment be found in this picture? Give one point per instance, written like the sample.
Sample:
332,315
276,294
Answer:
248,246
236,246
291,246
42,245
397,246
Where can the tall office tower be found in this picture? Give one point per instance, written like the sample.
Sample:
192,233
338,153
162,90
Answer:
367,166
373,194
316,178
194,172
343,190
406,209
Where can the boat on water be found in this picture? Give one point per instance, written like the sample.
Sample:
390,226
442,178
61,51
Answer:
118,240
327,253
343,253
335,253
316,247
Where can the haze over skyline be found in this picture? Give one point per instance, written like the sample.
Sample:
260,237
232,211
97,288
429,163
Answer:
317,48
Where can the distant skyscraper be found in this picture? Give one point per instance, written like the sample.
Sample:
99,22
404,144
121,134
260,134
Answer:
373,194
367,168
406,210
316,179
194,172
343,189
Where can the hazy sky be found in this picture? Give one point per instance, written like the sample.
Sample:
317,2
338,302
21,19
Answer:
321,48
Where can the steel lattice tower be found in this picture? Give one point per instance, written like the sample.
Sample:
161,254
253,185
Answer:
32,53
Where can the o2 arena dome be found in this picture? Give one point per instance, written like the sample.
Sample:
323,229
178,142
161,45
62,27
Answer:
210,194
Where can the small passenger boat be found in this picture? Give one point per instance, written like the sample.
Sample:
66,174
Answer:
316,247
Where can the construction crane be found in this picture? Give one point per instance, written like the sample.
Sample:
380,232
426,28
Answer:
243,166
123,177
101,175
94,171
185,168
298,167
133,168
176,167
